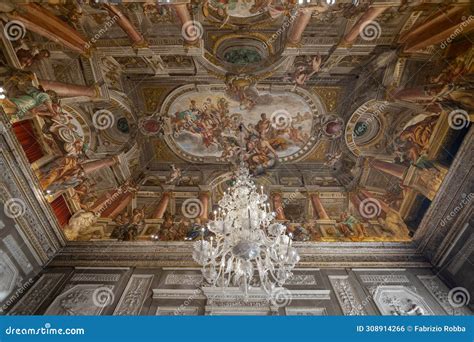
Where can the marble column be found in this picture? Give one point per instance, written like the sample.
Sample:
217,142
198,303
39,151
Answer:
439,36
39,20
184,17
162,205
370,15
278,206
395,170
119,205
439,22
204,199
428,24
136,37
105,200
70,90
99,164
299,25
319,208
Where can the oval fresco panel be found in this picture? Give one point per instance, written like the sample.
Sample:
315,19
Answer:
238,8
249,8
206,124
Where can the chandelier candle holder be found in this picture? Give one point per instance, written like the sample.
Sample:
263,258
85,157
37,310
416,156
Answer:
248,249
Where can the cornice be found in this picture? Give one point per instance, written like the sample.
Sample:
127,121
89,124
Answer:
179,254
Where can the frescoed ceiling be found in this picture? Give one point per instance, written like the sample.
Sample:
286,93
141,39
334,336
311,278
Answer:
349,114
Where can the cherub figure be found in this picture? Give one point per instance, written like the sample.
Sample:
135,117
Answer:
175,174
137,223
332,158
304,72
31,57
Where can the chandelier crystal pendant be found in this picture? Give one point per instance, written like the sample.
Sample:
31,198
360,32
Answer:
248,249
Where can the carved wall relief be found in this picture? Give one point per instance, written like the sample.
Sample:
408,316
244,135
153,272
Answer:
183,279
134,295
172,311
441,293
348,300
18,254
305,311
8,275
39,292
95,277
82,299
400,301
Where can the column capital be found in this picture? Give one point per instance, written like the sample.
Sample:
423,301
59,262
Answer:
205,188
168,188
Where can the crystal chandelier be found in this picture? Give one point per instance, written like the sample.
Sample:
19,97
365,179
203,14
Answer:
248,250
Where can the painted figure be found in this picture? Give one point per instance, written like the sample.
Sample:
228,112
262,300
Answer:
82,226
349,226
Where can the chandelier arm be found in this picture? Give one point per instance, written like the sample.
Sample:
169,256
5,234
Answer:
221,268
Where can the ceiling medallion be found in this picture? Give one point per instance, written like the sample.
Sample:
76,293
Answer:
248,249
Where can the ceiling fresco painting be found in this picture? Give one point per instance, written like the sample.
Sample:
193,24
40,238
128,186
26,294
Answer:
213,126
348,114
